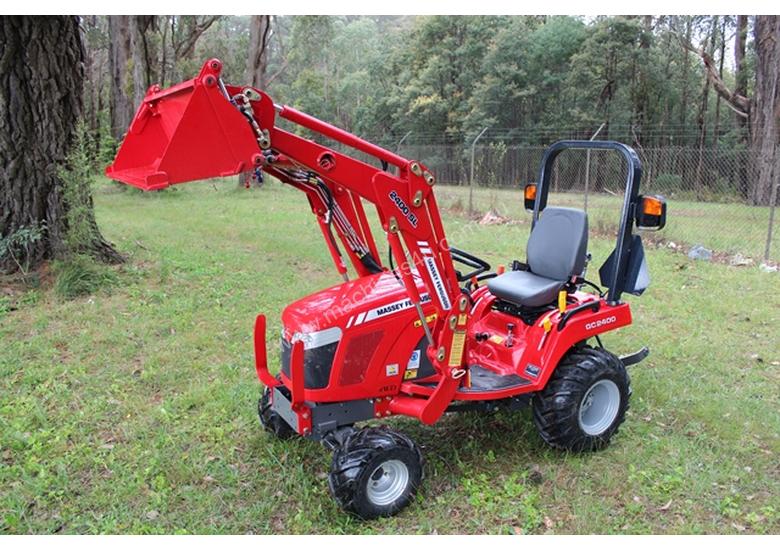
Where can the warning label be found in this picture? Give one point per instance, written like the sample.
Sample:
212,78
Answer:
456,351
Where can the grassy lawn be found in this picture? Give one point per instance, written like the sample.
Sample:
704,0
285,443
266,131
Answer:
728,228
133,410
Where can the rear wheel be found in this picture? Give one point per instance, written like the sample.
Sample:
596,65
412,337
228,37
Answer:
584,402
270,419
375,472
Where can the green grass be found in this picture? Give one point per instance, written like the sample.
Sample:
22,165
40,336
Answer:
133,409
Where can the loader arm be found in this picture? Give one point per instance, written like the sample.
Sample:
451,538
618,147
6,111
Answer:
203,128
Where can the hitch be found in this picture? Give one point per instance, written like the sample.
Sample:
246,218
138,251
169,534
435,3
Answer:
636,357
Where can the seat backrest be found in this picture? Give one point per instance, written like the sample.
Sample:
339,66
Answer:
558,245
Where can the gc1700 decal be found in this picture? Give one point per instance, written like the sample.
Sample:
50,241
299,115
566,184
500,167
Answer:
404,208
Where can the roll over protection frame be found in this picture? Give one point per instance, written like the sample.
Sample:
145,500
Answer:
615,282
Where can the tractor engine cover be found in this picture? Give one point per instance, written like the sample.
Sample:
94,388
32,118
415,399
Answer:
350,327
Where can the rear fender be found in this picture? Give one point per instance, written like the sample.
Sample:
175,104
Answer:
546,348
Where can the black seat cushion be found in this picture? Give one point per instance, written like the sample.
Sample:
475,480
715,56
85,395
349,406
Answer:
525,289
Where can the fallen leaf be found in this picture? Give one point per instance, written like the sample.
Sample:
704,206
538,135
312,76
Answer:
208,479
666,506
548,522
738,527
152,515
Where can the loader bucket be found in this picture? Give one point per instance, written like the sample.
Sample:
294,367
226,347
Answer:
187,132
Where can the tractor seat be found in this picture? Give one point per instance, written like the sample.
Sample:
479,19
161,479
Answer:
557,250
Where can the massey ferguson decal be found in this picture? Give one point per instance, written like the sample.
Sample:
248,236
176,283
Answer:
404,208
382,311
438,284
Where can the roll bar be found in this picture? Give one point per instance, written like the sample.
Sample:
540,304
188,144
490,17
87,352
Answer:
616,281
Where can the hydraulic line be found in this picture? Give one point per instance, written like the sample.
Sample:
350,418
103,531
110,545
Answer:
312,181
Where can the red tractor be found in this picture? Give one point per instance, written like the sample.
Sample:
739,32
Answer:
419,336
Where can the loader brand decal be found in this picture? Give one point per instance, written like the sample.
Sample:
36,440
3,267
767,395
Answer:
438,284
391,370
404,208
382,311
601,323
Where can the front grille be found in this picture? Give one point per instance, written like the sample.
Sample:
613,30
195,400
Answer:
359,352
317,364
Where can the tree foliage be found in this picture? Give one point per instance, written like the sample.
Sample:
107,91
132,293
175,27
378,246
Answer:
442,79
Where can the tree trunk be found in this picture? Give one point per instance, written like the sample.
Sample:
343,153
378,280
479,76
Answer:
741,89
686,70
139,58
701,118
765,108
120,106
41,79
257,57
722,38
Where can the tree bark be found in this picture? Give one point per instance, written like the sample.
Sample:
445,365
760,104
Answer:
41,79
765,108
701,118
119,53
139,57
739,55
762,110
686,70
721,58
257,58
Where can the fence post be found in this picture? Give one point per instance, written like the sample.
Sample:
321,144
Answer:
406,135
587,165
471,176
772,203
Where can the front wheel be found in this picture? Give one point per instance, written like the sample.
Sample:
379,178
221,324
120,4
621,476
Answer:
270,419
584,402
375,472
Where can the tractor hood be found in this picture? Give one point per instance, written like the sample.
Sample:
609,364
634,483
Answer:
349,304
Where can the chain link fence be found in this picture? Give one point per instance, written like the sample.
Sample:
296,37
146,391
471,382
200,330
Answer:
706,189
